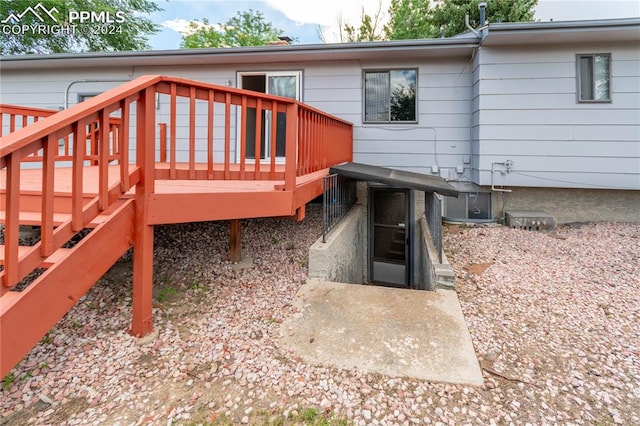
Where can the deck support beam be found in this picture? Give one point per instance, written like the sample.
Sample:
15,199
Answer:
300,213
235,251
142,322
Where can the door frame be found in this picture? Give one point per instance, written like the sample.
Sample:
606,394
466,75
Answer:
409,230
266,122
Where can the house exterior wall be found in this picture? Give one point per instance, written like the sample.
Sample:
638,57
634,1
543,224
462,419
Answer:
526,112
439,138
46,89
569,205
505,115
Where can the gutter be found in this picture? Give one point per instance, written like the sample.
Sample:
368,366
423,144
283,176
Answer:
565,25
275,51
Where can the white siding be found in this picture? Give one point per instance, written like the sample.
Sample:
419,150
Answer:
46,89
527,113
441,135
514,104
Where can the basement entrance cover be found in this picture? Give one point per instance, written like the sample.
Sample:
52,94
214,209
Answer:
395,250
395,178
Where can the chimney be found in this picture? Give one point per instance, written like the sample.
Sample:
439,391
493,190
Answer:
281,41
482,6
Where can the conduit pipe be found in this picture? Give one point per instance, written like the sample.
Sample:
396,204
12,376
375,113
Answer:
468,25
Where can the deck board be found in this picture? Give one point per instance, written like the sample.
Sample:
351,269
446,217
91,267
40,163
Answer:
31,180
197,199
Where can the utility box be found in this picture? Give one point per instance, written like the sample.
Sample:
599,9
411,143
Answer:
530,220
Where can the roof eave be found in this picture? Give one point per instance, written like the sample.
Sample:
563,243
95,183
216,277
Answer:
261,54
559,32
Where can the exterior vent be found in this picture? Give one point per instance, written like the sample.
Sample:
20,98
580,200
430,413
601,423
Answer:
530,220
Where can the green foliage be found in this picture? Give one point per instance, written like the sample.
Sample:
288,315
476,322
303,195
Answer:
46,339
130,34
415,19
7,381
166,294
308,415
408,20
403,103
245,29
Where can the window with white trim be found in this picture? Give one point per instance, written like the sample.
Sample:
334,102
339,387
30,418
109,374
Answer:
390,96
594,77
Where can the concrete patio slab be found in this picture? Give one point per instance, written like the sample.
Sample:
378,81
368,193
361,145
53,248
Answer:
396,332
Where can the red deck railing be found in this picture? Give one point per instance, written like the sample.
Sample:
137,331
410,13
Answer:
14,117
203,136
314,141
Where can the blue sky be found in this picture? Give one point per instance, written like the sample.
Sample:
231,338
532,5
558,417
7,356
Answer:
302,18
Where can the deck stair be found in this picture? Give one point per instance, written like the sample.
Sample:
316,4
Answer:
29,313
119,166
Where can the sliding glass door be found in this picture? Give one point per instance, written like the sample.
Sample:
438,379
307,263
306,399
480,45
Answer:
279,83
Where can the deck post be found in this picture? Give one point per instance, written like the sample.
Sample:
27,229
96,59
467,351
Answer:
142,322
235,254
291,148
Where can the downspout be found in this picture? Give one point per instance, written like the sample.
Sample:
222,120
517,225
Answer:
66,91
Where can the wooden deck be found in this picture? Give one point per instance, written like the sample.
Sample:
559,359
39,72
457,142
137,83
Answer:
95,166
200,200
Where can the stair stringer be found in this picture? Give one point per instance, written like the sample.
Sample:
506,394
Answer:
27,316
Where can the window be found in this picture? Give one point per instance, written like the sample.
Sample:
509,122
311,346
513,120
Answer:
469,205
390,96
85,96
280,83
594,78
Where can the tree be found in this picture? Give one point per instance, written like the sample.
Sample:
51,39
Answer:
245,29
58,26
408,20
414,19
403,103
370,28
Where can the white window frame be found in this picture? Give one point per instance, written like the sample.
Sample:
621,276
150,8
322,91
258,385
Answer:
266,74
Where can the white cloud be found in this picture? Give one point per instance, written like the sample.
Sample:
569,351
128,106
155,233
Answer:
561,10
181,26
326,13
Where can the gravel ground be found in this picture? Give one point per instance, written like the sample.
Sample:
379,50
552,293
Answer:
554,319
